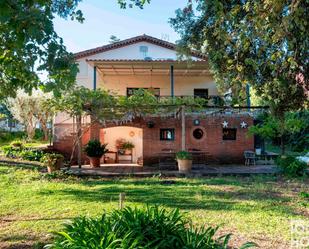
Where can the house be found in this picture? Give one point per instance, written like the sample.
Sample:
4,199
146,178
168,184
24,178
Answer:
7,122
151,63
11,125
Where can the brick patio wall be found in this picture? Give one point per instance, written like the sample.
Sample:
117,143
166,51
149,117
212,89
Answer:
219,150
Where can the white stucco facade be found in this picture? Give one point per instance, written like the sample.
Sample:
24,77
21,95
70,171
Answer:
141,64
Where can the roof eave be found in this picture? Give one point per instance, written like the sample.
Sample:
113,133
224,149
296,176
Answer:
130,41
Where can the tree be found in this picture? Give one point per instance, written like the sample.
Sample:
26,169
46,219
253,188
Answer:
44,113
272,128
113,39
30,46
31,110
264,43
5,114
22,107
130,3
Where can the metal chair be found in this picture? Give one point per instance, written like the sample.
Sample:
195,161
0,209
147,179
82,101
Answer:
250,158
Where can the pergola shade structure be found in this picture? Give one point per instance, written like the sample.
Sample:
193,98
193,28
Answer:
170,68
146,67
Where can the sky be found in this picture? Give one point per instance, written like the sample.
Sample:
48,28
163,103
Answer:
104,18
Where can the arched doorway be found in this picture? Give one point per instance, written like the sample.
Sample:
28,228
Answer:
126,133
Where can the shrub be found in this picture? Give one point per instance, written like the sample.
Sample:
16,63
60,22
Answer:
291,166
10,151
39,134
16,150
94,148
17,143
138,228
52,160
183,155
6,136
32,154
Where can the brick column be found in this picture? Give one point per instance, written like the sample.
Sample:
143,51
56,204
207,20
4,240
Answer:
95,129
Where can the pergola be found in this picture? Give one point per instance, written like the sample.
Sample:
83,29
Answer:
148,67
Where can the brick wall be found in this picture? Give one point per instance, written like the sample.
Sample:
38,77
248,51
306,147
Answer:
219,150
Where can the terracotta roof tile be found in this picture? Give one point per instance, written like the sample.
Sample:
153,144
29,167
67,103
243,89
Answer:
123,43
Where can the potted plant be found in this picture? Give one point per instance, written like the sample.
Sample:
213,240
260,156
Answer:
95,150
127,147
119,145
184,160
53,161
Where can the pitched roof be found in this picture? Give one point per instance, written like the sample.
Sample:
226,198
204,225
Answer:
126,42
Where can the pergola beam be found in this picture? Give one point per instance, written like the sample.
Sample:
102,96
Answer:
94,78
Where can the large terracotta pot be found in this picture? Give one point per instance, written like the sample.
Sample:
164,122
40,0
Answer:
95,162
57,166
184,166
128,152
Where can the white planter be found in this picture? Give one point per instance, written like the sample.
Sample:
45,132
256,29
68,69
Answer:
258,151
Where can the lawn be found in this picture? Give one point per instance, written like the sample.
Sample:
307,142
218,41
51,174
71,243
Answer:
255,209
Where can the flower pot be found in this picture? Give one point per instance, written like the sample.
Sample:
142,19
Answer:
184,165
128,152
59,163
51,169
258,151
55,167
95,162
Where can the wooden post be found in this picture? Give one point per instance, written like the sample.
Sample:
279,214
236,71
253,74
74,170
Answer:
183,128
172,80
122,197
94,78
79,140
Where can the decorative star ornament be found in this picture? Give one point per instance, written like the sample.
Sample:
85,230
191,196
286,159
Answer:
225,124
243,124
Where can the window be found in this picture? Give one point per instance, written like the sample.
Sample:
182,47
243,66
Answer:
156,91
144,51
198,133
229,133
11,123
200,92
167,134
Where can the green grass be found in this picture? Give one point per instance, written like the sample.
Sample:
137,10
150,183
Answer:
255,209
33,143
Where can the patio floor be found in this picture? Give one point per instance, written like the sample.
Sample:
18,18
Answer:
109,170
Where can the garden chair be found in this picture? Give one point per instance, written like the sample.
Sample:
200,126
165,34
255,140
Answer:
250,158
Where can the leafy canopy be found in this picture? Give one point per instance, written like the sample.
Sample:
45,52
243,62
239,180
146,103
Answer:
30,46
264,43
130,3
287,128
107,106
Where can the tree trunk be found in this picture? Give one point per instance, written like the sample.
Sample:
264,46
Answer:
79,140
183,128
30,131
45,131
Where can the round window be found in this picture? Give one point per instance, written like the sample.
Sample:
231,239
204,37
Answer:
198,133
